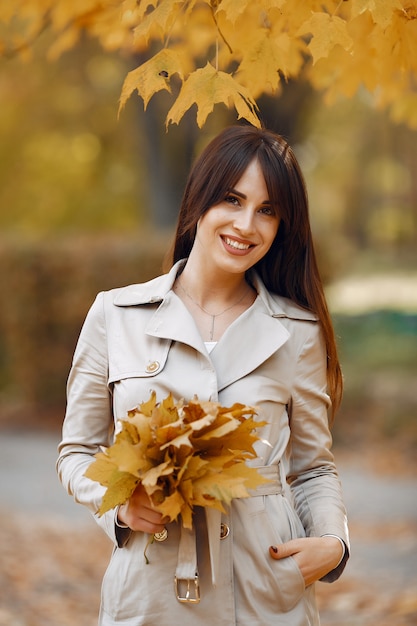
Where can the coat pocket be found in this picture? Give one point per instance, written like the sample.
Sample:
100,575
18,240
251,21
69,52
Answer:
144,363
273,586
134,377
132,588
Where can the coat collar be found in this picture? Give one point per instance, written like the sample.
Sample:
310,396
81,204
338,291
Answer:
157,290
242,348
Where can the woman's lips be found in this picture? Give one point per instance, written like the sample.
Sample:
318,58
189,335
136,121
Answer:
238,246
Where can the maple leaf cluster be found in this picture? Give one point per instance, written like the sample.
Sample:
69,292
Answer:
184,455
232,51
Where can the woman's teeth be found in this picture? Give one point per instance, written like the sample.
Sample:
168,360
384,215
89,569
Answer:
236,244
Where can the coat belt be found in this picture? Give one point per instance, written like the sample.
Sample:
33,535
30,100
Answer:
186,574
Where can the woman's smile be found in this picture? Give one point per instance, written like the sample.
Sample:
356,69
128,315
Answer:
244,224
237,246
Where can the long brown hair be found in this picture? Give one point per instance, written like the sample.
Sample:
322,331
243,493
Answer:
289,268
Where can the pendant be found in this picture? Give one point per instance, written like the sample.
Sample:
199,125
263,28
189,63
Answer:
213,317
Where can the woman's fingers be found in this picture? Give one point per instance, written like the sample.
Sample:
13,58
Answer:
139,513
315,556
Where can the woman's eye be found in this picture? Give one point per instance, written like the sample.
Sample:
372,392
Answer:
232,200
266,210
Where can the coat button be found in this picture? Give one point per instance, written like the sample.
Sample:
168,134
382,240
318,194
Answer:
162,536
152,367
224,531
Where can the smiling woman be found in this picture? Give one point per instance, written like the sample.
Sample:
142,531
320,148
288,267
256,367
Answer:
239,319
231,237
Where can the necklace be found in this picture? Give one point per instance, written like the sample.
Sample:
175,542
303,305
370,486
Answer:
213,316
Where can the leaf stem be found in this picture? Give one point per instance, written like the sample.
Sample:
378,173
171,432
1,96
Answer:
151,539
220,33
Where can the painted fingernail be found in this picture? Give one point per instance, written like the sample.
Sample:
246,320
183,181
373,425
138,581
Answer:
274,549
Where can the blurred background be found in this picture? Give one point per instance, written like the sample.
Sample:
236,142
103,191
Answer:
88,202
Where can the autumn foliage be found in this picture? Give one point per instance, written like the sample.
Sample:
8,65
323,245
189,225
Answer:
184,455
231,51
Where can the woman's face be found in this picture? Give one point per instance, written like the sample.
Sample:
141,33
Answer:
236,233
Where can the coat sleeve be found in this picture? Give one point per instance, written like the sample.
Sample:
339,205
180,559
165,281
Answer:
88,422
312,475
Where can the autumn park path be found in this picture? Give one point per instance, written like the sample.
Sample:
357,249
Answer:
53,556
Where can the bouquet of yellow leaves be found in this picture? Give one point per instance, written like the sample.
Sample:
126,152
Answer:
184,455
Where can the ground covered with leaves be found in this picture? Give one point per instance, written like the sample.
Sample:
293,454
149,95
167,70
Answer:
51,565
50,575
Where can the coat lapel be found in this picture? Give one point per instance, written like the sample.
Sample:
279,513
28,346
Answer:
248,342
172,320
252,338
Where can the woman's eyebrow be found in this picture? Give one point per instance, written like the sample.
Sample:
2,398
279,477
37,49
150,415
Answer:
237,193
243,196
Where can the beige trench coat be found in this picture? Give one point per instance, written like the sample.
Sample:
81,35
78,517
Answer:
142,338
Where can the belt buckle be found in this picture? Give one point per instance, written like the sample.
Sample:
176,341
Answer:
191,584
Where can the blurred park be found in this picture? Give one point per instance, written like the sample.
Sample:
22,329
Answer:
88,202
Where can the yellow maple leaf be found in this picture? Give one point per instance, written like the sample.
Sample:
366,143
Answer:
233,8
146,407
139,424
151,77
381,10
206,87
158,21
238,438
342,72
220,428
250,476
101,469
194,467
174,505
327,32
151,476
271,54
128,457
220,487
121,487
182,439
236,410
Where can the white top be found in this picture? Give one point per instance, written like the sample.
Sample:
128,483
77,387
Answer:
210,345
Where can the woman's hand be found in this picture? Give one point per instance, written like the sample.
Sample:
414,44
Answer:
315,556
139,514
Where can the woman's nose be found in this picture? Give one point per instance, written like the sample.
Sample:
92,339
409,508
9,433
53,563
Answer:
244,221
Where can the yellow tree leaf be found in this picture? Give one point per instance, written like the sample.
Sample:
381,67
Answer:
128,457
327,32
220,487
151,77
250,475
241,435
206,87
146,407
183,439
151,476
121,487
223,431
381,10
101,469
172,506
158,22
260,64
342,72
396,48
237,410
233,8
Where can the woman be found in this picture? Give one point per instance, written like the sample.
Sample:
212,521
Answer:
240,317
